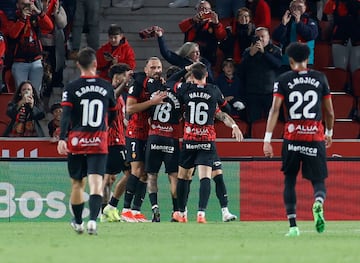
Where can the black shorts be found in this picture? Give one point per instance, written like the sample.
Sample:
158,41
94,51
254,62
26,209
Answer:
135,150
80,165
217,165
310,155
116,160
161,149
197,153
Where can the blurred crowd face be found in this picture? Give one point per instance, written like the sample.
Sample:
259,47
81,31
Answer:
153,69
243,17
297,6
26,90
57,113
264,36
115,39
195,54
203,6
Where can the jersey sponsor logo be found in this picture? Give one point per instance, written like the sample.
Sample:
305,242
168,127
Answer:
303,129
197,131
92,141
163,148
303,80
199,146
164,128
309,151
91,88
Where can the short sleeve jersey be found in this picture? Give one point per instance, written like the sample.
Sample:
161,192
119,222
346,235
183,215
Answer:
138,126
200,104
303,93
164,117
90,98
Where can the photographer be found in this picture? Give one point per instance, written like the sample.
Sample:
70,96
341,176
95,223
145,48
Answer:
204,29
258,71
296,26
24,41
25,112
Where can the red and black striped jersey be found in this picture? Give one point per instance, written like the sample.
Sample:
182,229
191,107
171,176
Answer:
200,104
138,125
90,99
303,93
116,127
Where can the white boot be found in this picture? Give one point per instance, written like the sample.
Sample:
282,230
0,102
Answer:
179,3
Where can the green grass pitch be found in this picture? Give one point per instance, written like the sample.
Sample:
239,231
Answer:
55,242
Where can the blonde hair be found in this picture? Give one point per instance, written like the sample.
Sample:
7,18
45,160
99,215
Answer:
186,49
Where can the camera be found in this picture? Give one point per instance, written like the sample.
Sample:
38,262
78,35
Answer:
255,39
205,15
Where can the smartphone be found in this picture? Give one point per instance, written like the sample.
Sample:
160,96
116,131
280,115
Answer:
108,55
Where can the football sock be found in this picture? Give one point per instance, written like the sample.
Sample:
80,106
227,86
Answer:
153,199
94,206
77,210
204,193
175,204
220,189
140,193
292,219
182,189
114,202
130,190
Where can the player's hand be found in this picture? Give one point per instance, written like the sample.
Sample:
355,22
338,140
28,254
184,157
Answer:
328,141
237,134
62,147
159,97
268,150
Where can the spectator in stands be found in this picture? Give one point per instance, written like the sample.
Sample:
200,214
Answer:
261,13
296,26
258,71
54,124
204,29
116,50
239,37
228,9
230,86
25,112
89,11
54,46
2,49
69,7
187,54
345,19
24,42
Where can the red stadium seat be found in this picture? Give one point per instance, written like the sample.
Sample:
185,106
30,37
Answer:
356,83
346,129
258,129
322,55
337,77
5,98
343,104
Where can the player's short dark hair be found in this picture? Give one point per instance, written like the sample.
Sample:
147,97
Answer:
199,70
114,29
118,69
298,51
85,57
171,71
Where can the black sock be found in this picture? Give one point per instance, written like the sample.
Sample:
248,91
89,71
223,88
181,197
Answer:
114,202
130,190
175,204
182,191
292,221
77,210
221,192
139,195
94,206
204,193
153,199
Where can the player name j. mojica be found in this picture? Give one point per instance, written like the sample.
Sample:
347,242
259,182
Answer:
303,80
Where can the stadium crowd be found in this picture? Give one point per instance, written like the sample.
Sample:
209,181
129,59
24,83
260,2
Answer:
239,51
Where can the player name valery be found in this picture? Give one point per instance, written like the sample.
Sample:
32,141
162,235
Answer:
199,95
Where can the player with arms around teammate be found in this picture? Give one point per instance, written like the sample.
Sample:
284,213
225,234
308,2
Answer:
200,102
87,104
305,93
